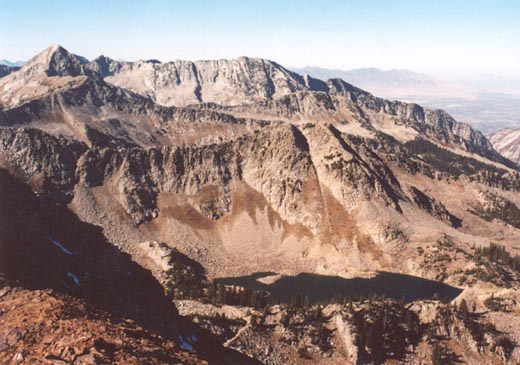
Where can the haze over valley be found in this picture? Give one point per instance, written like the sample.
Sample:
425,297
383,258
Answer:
487,102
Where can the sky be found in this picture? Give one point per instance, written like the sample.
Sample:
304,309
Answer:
441,36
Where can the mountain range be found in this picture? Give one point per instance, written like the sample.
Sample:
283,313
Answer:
132,184
372,77
487,102
11,64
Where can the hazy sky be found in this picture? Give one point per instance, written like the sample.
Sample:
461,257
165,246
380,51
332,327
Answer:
422,35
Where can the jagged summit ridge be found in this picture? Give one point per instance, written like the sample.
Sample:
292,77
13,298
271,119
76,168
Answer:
247,82
181,83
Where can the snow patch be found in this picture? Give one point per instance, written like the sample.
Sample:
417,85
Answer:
60,246
185,345
74,278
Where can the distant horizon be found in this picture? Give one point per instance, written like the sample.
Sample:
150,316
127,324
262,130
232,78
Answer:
429,73
444,36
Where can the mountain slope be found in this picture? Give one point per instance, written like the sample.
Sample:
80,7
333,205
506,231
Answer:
45,327
243,167
100,296
247,80
338,147
270,82
507,142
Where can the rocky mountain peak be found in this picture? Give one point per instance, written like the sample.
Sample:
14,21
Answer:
47,72
102,66
54,61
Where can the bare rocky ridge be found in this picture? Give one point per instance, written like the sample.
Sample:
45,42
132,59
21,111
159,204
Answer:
246,80
244,166
507,142
180,83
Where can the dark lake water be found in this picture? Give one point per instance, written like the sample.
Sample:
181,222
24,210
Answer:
321,287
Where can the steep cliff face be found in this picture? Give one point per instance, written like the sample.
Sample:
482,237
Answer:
507,142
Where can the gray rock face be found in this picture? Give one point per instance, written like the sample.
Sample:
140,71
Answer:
507,142
181,83
103,66
62,63
38,153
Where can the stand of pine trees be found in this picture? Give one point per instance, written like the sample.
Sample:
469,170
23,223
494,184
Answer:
385,330
219,294
499,254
